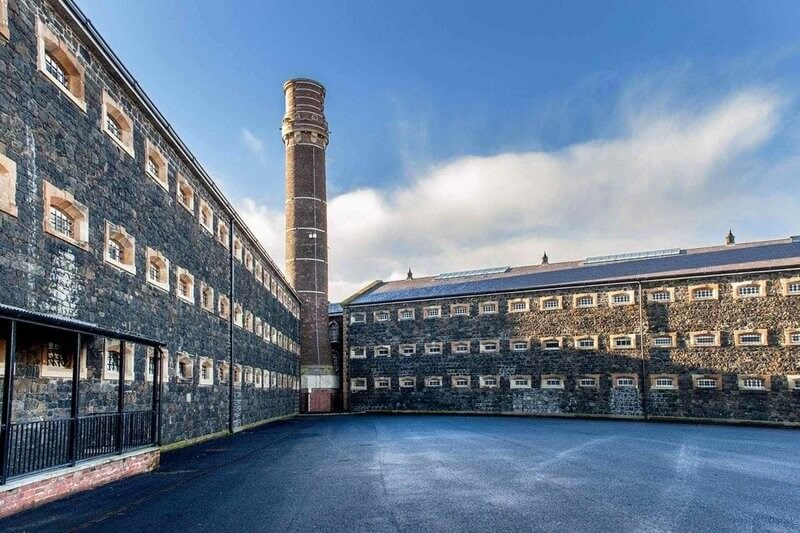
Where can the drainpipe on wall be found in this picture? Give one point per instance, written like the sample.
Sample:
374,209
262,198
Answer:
232,226
641,351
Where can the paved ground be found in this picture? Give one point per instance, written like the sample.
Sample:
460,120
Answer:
438,473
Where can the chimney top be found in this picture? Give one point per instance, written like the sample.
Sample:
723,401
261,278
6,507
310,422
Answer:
730,238
545,259
410,275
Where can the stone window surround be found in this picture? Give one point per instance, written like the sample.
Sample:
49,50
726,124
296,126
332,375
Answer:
248,260
788,333
267,383
631,298
488,303
238,249
482,381
525,301
613,338
433,382
740,380
615,377
792,380
111,108
519,340
527,378
248,374
429,346
673,336
224,307
258,378
205,211
594,338
595,377
713,287
248,321
237,375
454,308
258,327
161,176
763,333
110,345
761,284
482,346
128,244
382,313
405,309
149,354
156,256
358,352
786,282
455,344
715,377
543,340
454,382
205,288
717,336
188,360
47,371
376,382
655,377
48,42
184,189
238,315
4,30
652,292
543,303
358,318
183,275
223,234
404,346
65,201
358,384
8,184
403,382
432,311
577,297
258,270
546,377
383,347
209,363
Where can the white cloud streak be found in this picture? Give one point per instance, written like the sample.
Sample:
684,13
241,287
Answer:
254,144
672,178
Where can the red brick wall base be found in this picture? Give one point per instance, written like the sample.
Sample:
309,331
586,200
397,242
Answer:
35,490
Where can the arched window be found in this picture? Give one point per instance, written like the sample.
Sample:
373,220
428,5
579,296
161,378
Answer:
237,315
185,368
333,330
61,222
155,164
117,124
224,307
157,269
120,248
55,69
59,65
185,194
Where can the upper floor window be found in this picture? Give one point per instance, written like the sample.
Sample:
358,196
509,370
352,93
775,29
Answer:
552,343
664,341
624,381
552,382
157,269
750,338
661,295
382,316
117,124
664,382
358,318
460,382
383,351
358,384
58,64
224,307
519,305
752,383
433,381
408,349
520,345
432,312
460,347
4,31
704,338
585,300
623,341
185,194
248,264
587,382
207,220
405,314
459,310
433,348
383,383
407,382
489,382
185,285
704,292
8,185
620,298
358,352
155,164
489,346
706,383
120,248
586,343
791,287
237,249
185,369
206,297
520,382
488,308
793,337
333,331
749,289
550,303
66,218
223,235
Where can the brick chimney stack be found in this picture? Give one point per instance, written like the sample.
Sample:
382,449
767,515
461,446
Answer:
305,136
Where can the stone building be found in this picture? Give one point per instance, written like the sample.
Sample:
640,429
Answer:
708,333
108,224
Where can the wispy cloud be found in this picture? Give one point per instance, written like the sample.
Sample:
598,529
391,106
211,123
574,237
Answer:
255,145
676,176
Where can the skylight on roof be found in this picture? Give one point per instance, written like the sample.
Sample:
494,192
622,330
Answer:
633,256
469,273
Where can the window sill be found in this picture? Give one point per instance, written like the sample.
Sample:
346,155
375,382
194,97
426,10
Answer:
185,299
46,371
73,242
9,209
130,269
160,286
164,184
125,148
74,99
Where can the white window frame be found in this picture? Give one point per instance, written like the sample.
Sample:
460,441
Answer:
382,383
634,381
629,337
432,311
576,300
519,305
700,381
490,303
711,288
403,348
454,310
455,379
790,283
544,340
455,344
745,382
433,382
354,352
403,382
544,303
484,346
401,312
654,295
673,340
613,295
205,362
739,337
657,382
582,382
376,351
558,382
519,345
594,339
744,290
183,357
792,337
516,378
483,382
694,335
382,316
434,348
358,318
358,384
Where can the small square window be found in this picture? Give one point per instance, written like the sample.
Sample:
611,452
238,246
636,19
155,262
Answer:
488,308
407,382
157,269
433,348
489,346
433,382
358,384
358,352
489,382
185,369
117,124
757,383
383,351
206,371
65,217
185,285
408,349
8,185
432,311
155,164
460,347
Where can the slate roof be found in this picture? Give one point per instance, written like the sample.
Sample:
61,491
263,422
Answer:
766,255
335,309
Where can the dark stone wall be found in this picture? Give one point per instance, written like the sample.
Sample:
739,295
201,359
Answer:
774,312
50,138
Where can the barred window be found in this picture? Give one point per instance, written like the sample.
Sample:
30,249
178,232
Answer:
152,166
625,382
550,303
408,349
358,352
553,383
489,346
753,383
662,342
660,296
518,382
60,222
56,356
489,381
665,382
358,384
407,383
433,349
587,382
750,338
705,340
433,382
585,301
623,342
586,343
749,290
551,344
55,69
184,286
383,383
358,318
115,250
382,316
407,314
520,346
461,347
382,351
461,382
154,272
112,361
432,312
703,294
113,127
706,383
621,298
489,308
460,310
793,288
333,331
794,338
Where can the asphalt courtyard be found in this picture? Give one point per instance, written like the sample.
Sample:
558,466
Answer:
440,473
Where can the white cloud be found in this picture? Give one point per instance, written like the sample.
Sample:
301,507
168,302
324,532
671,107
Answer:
675,177
254,144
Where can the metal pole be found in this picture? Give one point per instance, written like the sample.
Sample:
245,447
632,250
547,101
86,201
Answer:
155,422
230,328
73,412
120,395
8,388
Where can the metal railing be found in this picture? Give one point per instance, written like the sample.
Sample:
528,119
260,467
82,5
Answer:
41,445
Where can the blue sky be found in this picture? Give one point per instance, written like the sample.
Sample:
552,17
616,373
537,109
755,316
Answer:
488,131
